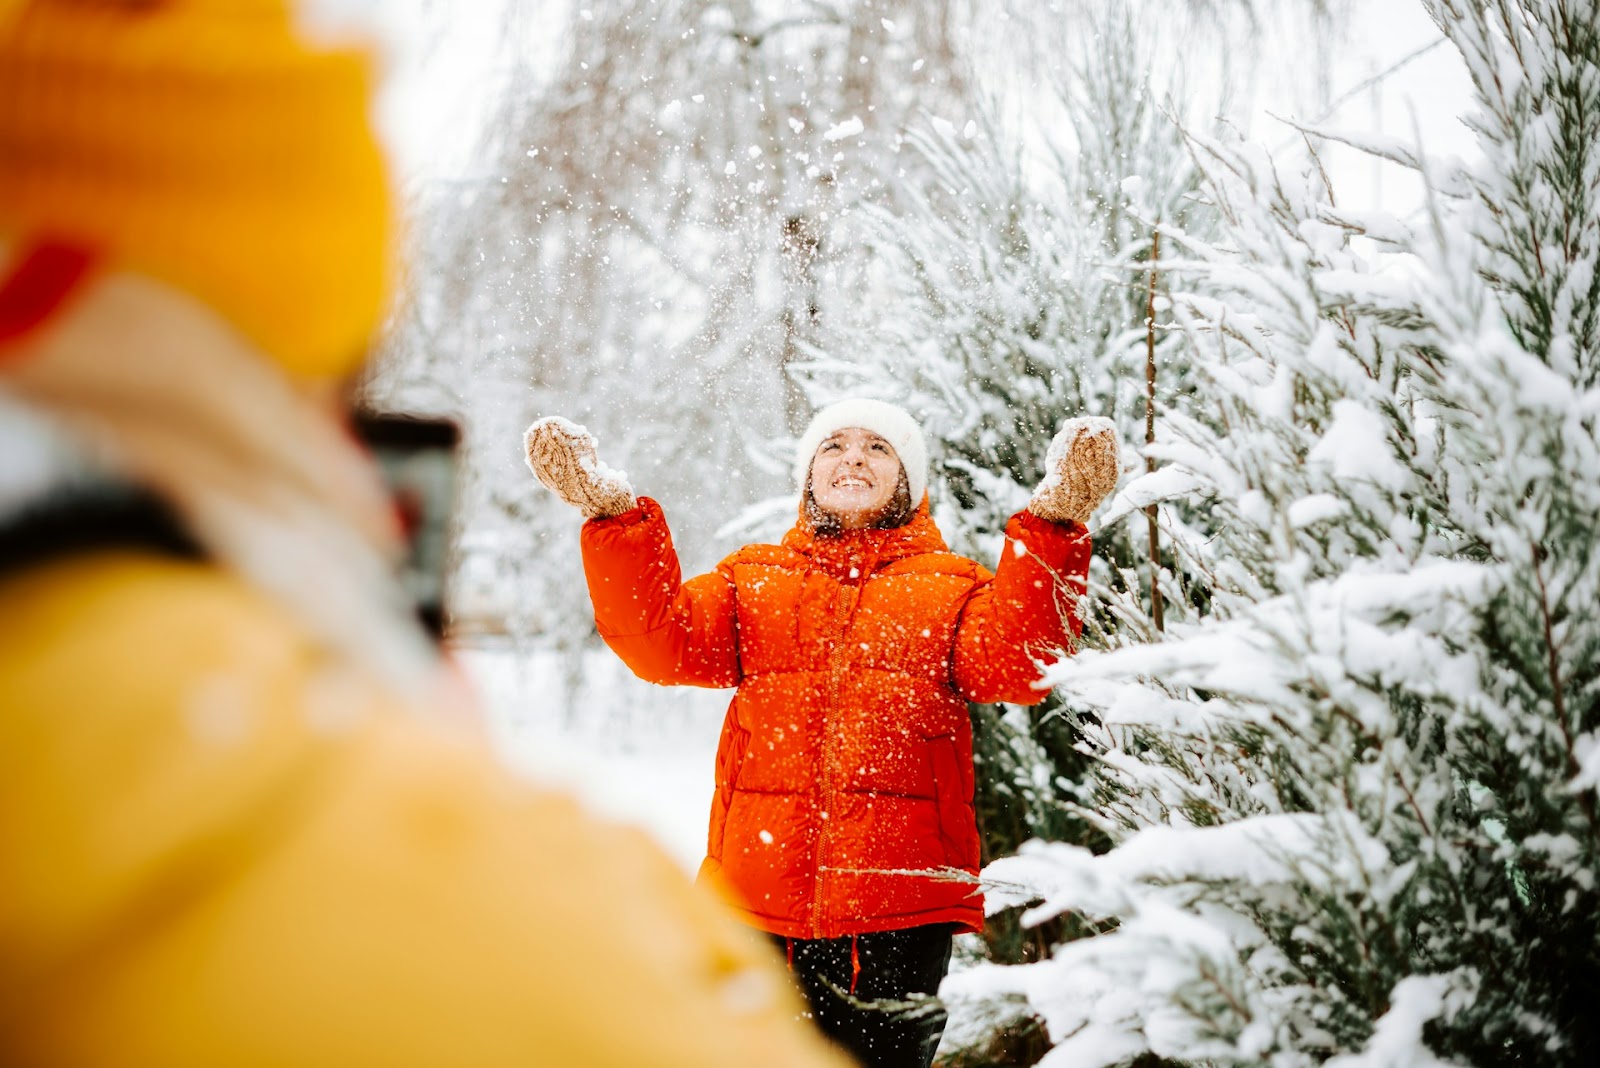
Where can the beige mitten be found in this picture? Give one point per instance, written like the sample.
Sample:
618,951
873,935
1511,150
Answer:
562,456
1082,467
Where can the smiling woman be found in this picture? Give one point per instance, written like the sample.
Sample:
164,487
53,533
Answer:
843,824
855,478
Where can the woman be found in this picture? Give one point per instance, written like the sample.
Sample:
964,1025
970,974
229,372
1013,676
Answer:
843,823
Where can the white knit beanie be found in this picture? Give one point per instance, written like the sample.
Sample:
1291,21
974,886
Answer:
890,422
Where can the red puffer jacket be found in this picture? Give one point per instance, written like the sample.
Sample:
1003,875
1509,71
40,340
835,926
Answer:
844,774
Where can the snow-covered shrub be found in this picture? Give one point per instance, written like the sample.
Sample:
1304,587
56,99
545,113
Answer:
1354,801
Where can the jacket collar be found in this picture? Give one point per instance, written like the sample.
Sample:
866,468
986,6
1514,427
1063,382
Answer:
865,551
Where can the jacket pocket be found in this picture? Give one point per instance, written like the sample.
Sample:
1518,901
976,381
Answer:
735,743
952,787
730,758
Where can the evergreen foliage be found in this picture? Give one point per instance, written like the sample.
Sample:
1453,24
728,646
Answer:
1353,794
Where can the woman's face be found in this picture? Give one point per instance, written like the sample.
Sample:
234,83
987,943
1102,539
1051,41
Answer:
854,475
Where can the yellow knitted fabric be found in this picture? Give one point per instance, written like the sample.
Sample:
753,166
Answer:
202,142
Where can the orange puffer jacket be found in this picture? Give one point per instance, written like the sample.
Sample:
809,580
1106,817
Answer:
844,773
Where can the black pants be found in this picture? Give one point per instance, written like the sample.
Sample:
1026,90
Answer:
879,1025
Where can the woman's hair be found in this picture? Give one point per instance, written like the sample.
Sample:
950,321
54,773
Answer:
897,513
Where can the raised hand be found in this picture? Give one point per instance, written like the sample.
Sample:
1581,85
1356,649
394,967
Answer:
1081,470
562,455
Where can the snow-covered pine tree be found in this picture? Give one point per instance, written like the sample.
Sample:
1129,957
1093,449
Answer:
1355,801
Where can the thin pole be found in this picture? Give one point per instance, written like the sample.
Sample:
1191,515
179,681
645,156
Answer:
1150,426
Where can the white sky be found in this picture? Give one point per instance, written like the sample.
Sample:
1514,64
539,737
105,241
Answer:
1423,100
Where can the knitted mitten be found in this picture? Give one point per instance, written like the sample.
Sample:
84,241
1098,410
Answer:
1082,467
562,456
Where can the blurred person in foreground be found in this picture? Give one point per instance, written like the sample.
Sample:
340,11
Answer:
236,827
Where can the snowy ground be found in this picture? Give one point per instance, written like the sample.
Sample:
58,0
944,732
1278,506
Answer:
637,753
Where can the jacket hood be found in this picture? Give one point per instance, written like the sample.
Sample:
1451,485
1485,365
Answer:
872,546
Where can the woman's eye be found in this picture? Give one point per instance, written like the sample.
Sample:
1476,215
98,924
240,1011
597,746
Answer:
878,446
830,446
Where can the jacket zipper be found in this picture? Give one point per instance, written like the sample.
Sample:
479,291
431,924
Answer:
835,680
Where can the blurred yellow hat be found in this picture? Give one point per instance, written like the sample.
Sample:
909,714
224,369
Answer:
205,143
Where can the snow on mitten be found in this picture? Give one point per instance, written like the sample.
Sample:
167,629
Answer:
1081,469
561,454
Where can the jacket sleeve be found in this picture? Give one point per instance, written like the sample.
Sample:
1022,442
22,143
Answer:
220,850
1026,615
666,630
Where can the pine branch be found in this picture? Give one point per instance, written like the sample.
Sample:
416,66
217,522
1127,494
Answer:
1557,691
